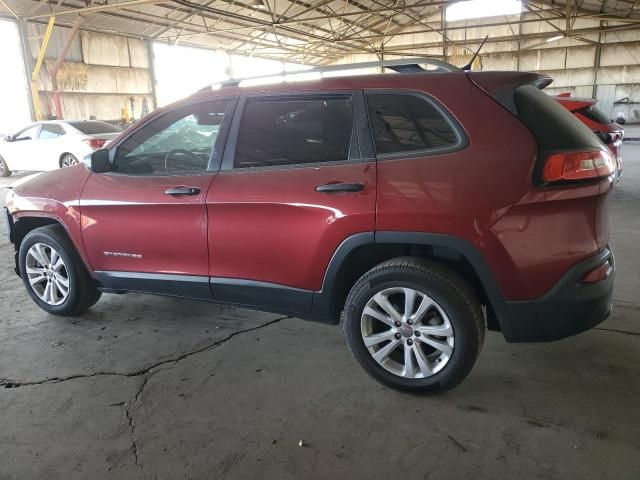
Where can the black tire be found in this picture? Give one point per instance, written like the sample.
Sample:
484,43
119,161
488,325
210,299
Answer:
4,168
94,297
82,291
451,293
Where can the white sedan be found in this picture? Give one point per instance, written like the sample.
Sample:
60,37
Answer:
53,144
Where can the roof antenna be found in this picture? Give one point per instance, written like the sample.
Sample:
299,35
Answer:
468,66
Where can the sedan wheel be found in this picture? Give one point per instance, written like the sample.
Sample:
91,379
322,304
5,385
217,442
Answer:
68,161
47,273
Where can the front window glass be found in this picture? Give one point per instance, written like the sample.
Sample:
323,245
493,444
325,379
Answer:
179,141
27,134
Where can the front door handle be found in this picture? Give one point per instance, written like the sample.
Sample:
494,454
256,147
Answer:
182,191
340,187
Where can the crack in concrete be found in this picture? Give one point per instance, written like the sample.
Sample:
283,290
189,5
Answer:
9,383
147,373
615,330
132,432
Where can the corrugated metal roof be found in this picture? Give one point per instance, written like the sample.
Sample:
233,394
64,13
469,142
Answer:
311,30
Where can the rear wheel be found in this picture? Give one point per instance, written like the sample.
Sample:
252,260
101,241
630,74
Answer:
4,168
53,273
414,325
68,160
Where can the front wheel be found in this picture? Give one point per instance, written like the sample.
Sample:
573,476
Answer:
53,273
414,325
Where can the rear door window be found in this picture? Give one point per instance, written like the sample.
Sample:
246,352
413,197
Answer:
404,123
280,131
50,130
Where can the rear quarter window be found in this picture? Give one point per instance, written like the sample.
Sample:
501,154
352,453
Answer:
404,123
94,127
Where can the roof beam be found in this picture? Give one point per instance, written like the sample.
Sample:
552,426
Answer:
101,8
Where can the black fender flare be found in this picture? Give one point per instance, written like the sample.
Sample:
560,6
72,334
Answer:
322,299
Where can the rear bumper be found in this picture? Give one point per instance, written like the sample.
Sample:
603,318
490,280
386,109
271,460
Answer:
569,308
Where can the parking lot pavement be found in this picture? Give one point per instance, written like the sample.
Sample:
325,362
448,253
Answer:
154,387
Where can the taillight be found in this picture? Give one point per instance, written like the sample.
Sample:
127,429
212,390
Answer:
95,143
583,165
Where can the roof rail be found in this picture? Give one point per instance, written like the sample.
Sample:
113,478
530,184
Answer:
406,65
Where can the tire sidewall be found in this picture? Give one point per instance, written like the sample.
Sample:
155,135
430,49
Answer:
465,347
73,298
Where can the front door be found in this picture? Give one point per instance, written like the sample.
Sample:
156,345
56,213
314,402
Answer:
22,153
144,224
295,183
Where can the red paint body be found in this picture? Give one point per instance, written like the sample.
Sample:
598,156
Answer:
272,226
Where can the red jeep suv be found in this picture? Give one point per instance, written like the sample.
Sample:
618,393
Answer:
418,207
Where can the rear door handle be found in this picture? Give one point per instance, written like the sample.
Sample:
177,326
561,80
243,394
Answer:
182,191
340,187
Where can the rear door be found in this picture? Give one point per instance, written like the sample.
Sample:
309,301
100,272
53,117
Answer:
49,147
144,224
298,177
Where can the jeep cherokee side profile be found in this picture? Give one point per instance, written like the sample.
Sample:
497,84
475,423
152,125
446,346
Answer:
421,208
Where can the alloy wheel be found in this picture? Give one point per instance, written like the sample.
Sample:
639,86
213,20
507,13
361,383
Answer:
69,161
47,274
407,332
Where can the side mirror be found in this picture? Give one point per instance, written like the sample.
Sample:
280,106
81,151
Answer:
8,138
100,161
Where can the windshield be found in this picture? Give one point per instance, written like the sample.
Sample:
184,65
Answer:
94,127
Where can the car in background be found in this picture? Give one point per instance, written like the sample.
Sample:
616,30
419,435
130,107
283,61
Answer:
50,145
610,132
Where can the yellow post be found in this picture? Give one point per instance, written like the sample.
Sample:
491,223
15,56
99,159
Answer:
36,69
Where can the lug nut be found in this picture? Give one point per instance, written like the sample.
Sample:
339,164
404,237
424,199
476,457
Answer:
410,322
417,333
398,336
398,324
409,342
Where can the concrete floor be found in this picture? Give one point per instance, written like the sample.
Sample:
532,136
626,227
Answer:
152,387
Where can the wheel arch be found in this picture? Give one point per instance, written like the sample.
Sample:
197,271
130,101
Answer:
22,225
360,252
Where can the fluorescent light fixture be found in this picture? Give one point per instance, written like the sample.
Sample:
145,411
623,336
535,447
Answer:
471,9
257,4
553,39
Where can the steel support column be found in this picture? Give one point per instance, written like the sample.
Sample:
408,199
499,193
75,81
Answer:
27,60
152,72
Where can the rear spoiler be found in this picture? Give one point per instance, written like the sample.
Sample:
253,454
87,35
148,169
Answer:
501,85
